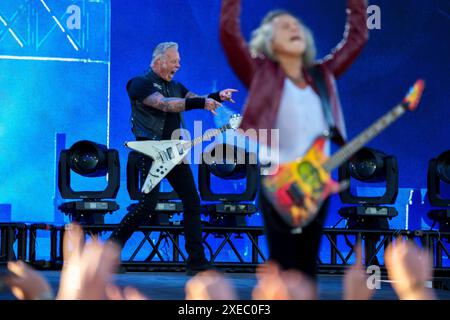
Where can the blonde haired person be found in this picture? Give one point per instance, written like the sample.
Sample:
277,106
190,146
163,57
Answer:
289,90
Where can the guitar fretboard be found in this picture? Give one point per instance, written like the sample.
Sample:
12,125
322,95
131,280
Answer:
206,137
363,138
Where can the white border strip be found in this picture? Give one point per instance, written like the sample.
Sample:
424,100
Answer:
45,5
59,24
72,42
3,21
31,58
15,37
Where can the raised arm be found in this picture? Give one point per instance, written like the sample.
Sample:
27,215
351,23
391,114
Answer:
355,36
234,44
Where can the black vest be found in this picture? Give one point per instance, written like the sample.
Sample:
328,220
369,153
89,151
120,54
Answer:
148,122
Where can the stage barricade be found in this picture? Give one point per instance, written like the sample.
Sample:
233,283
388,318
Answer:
155,260
13,235
20,241
338,244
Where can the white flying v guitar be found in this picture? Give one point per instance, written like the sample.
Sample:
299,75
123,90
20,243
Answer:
166,154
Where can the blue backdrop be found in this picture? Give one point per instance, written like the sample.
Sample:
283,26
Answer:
41,98
54,62
412,43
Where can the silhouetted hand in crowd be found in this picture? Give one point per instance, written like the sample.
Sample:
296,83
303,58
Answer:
409,267
88,268
355,280
209,285
128,293
276,284
27,283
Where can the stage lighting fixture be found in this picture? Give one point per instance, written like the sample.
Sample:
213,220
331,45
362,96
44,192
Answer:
167,205
370,166
228,162
88,159
438,179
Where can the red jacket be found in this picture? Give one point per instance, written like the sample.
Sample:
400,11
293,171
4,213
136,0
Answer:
264,78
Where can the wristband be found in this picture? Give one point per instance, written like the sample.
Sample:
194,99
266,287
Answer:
195,103
215,96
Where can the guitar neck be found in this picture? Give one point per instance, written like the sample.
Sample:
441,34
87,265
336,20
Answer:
346,152
207,136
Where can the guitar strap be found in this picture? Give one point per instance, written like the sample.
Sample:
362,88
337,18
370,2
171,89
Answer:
320,83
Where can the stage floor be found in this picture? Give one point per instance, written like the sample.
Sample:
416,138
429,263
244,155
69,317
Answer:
170,285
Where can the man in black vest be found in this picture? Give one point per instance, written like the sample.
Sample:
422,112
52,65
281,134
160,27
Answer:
156,102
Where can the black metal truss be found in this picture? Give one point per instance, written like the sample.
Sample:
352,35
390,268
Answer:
338,256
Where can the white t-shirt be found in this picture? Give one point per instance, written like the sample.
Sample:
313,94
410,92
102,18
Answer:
300,121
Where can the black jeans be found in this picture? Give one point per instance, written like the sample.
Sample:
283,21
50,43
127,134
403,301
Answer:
293,251
182,181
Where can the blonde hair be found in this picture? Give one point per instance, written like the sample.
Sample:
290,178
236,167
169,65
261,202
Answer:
261,41
161,49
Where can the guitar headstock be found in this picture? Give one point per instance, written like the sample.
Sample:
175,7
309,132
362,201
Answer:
412,99
235,121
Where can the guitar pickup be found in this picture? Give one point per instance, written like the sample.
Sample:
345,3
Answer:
296,194
180,149
170,153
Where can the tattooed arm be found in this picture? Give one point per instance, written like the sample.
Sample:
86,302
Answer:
176,105
158,101
194,95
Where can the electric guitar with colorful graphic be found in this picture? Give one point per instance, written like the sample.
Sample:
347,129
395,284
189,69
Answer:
299,188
